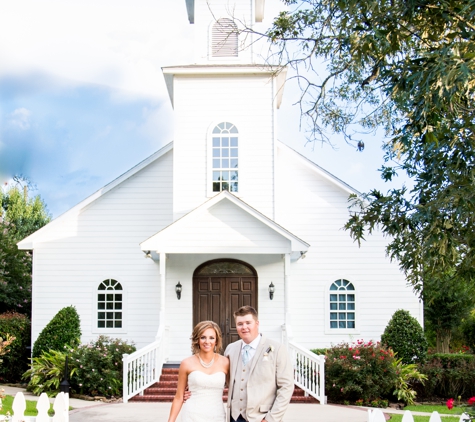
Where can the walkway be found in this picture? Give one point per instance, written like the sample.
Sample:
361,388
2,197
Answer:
158,412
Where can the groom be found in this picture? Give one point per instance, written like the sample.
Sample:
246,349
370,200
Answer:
261,375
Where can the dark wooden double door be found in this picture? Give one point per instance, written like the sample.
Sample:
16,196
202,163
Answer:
217,297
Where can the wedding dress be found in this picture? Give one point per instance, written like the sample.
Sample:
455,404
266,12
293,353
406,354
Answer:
206,401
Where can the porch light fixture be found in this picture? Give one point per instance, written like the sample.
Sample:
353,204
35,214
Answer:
271,290
178,288
147,254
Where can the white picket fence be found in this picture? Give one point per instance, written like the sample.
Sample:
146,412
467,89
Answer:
60,406
377,415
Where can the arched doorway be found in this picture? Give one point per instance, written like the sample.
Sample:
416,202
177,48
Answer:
220,287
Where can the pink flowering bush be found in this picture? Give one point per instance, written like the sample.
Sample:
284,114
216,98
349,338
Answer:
99,366
359,371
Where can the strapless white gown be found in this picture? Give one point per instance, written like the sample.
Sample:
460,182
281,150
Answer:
206,401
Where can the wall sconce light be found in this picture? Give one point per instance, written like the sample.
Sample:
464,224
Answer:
303,254
271,290
178,289
147,254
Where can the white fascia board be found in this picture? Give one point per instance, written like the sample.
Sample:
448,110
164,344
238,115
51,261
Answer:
296,243
231,69
36,237
319,170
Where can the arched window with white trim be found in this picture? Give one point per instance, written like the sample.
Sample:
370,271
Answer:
224,38
342,305
110,301
225,158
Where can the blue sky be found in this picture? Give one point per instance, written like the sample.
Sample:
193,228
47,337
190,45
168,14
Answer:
82,97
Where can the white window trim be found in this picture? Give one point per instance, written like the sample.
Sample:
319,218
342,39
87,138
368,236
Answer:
340,331
108,330
209,157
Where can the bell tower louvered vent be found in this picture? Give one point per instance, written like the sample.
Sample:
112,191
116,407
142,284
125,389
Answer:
224,39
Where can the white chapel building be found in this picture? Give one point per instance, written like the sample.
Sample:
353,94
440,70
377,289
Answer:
224,215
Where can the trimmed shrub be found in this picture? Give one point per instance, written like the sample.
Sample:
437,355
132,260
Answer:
359,371
99,366
63,330
16,361
449,375
406,337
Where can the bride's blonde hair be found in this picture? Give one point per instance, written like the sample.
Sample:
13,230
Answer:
199,329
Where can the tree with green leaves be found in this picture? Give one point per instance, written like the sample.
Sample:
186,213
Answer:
20,215
447,302
408,67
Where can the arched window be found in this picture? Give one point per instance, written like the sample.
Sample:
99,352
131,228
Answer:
225,157
224,39
109,304
342,305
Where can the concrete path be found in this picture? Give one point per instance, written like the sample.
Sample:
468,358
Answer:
90,411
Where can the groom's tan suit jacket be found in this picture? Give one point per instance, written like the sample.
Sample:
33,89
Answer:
270,384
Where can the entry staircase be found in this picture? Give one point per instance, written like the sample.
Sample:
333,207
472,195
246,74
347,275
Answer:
148,378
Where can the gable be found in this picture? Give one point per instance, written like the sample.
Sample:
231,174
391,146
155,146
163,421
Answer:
224,226
66,225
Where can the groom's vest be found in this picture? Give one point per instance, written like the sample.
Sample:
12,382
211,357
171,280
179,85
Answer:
239,390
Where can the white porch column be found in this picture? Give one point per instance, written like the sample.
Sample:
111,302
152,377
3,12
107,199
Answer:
287,316
163,278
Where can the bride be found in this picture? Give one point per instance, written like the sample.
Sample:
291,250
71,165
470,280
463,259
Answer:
205,374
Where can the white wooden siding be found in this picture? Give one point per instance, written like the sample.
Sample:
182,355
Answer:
101,243
314,209
201,103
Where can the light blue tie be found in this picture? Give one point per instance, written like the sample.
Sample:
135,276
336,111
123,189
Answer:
245,354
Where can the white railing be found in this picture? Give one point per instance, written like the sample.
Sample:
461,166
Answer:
144,367
309,371
377,415
60,407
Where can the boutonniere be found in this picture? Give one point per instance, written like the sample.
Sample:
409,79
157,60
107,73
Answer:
266,354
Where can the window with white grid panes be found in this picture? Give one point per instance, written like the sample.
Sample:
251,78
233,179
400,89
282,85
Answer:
109,304
225,157
342,305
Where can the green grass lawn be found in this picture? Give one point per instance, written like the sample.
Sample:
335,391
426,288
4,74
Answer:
398,418
442,409
7,403
429,408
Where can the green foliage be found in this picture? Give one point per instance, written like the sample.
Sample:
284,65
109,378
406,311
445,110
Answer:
406,375
94,368
407,67
448,375
7,403
15,363
63,330
468,331
20,216
405,337
47,372
322,351
359,371
447,301
99,367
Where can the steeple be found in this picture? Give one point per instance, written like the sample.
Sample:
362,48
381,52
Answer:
220,36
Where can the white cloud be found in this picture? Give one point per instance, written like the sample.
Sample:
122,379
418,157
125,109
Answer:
20,118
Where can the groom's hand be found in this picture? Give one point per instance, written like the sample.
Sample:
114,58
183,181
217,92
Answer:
186,395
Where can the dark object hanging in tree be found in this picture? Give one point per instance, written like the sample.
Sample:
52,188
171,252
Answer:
360,146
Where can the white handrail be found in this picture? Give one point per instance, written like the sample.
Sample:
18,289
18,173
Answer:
309,371
144,367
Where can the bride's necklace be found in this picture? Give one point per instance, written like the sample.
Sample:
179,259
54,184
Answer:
204,364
